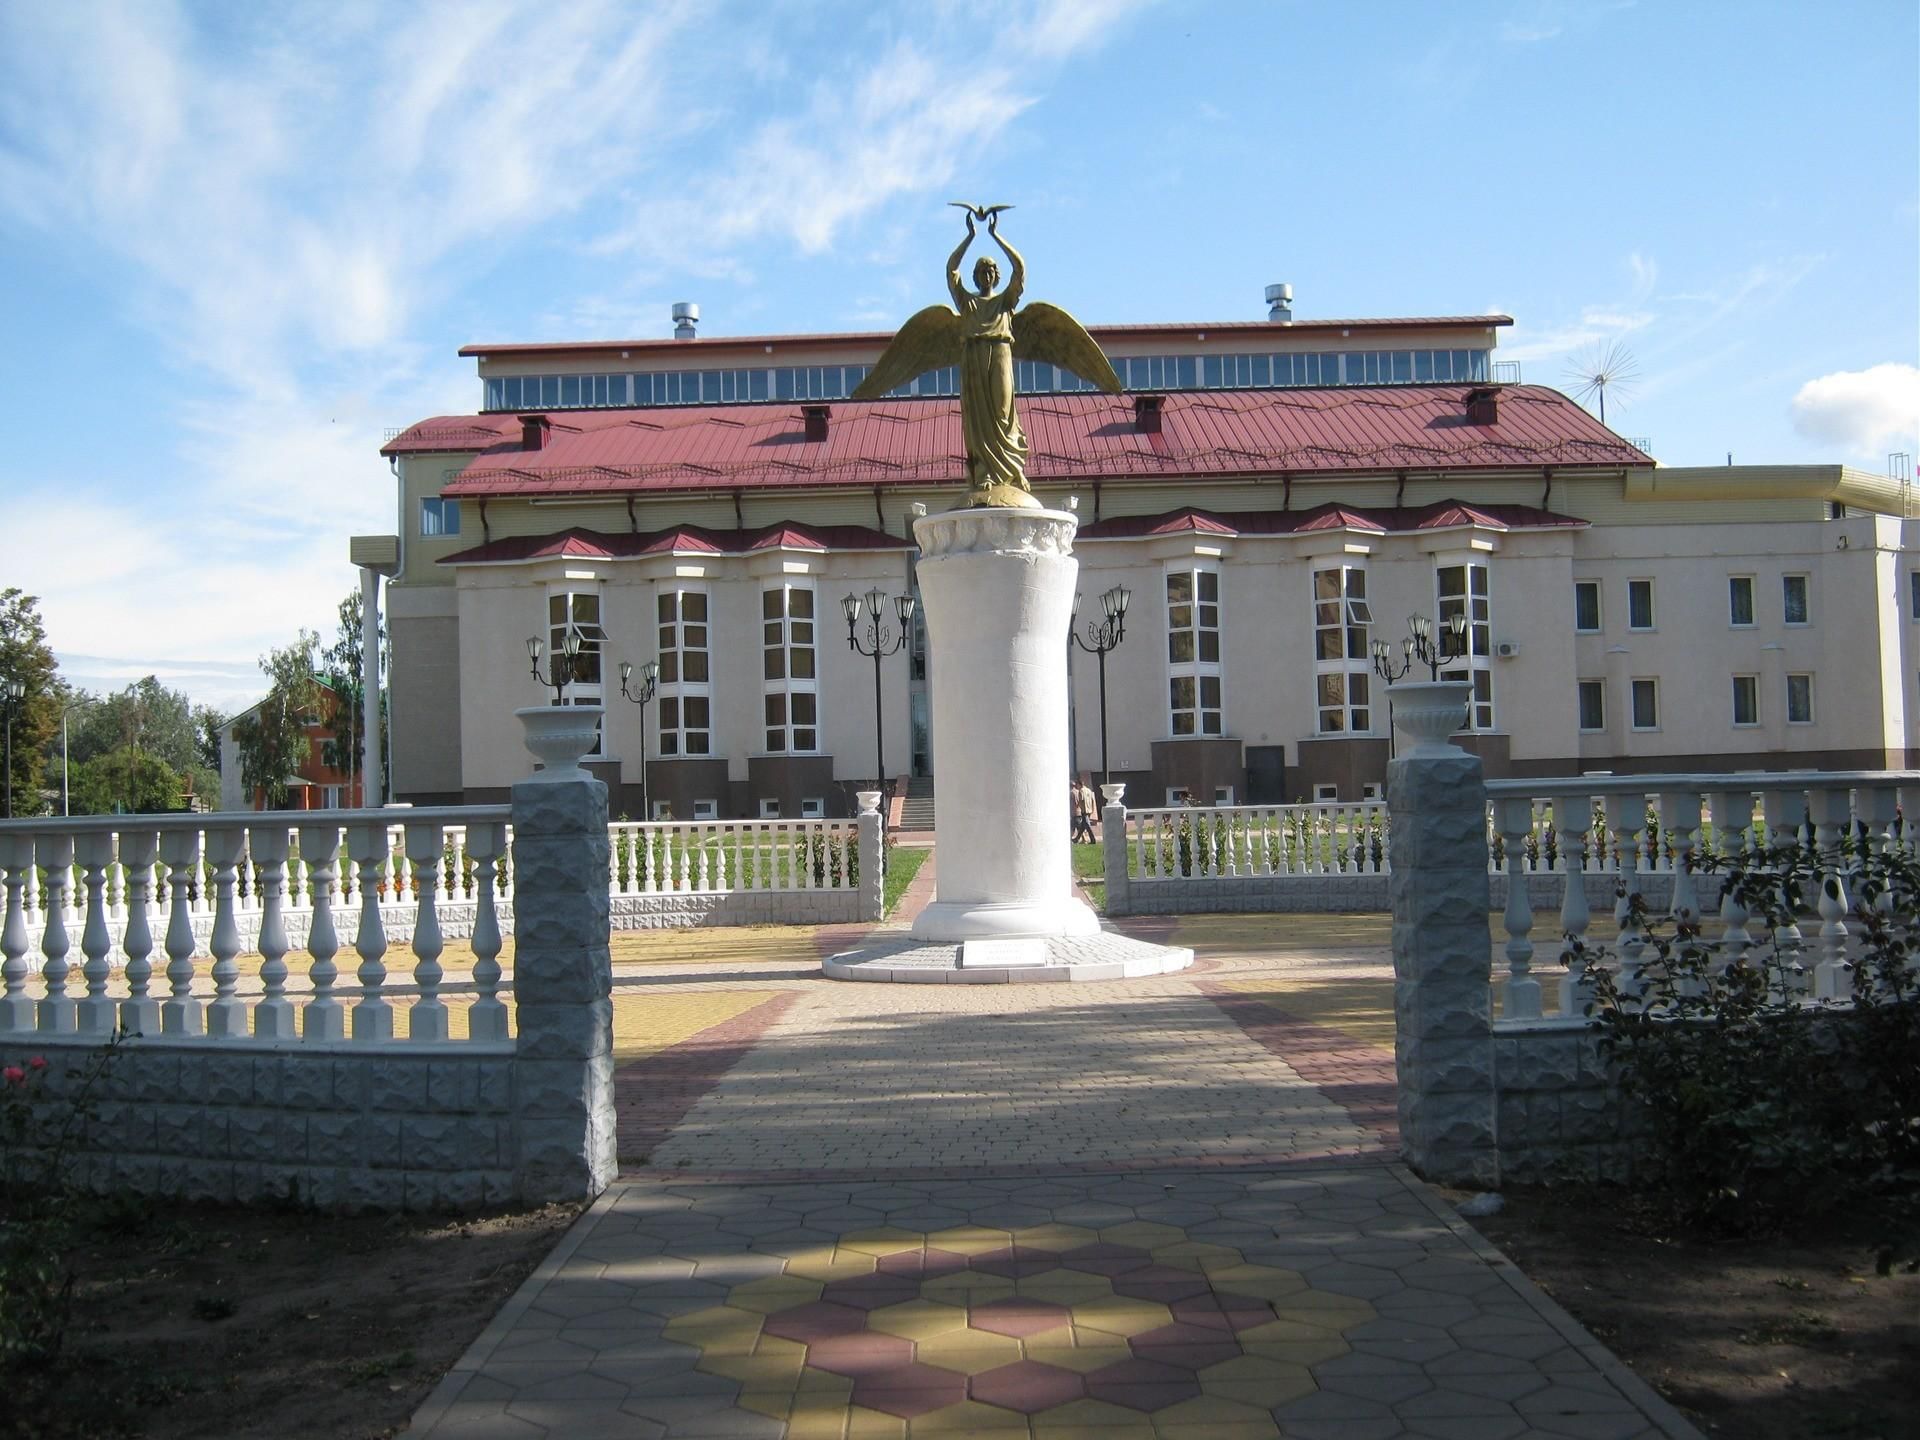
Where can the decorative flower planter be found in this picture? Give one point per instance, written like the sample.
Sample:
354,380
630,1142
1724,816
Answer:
558,735
1428,711
1110,794
867,800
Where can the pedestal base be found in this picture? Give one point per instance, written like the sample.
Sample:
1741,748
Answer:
1075,960
957,920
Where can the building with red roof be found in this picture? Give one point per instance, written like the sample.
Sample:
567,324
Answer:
1274,495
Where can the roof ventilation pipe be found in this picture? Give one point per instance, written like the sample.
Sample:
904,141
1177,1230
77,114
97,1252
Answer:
686,315
1280,303
815,417
1483,405
533,432
1146,413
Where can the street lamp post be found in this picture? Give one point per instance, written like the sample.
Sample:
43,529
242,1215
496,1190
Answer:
881,641
1102,638
1419,648
13,692
562,665
649,685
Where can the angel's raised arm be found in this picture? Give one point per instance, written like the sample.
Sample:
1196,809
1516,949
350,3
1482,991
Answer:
1017,268
954,286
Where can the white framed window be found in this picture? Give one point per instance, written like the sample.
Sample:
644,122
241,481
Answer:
1740,601
1177,795
580,610
1223,794
1800,699
769,808
438,516
1325,794
1373,790
1794,604
686,674
1646,704
706,809
1593,705
663,810
813,808
789,668
1746,700
1465,590
1193,652
1586,607
1639,604
1342,666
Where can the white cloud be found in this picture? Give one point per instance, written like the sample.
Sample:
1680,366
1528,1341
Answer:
1864,412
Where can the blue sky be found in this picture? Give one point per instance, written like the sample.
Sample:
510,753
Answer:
243,242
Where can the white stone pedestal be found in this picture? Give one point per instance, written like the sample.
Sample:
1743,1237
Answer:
997,591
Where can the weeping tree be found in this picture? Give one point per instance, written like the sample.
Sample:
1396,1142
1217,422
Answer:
272,737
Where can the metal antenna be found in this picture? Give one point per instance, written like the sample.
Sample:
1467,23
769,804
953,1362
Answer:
1606,366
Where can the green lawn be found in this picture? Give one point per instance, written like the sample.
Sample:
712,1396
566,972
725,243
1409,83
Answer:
902,865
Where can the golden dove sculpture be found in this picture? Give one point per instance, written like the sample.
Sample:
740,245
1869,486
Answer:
984,334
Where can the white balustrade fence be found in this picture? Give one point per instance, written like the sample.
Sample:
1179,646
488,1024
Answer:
1666,838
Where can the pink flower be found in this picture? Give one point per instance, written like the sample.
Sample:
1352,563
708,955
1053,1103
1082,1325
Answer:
38,1062
14,1075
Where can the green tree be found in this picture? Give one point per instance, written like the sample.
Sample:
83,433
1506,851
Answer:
146,718
26,657
345,675
272,737
126,781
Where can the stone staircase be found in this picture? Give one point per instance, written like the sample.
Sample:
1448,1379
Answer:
916,813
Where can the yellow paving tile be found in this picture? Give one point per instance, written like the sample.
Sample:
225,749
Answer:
1264,1282
967,1287
865,1424
822,1415
967,1352
1257,1380
775,1364
1361,1006
774,1294
969,1240
646,1024
1323,1346
1084,1358
825,1263
884,1241
716,1330
1211,1417
920,1319
1054,1237
1063,1287
1142,1234
969,1417
777,1403
1197,1255
1092,1420
1120,1315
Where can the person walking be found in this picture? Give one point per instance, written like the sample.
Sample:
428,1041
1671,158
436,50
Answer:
1083,812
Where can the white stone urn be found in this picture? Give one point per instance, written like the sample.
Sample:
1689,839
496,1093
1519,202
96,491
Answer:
868,801
558,735
1428,711
1112,794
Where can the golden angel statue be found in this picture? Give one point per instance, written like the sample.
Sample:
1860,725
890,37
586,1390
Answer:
983,334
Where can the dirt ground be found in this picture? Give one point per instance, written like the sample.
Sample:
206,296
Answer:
1791,1337
208,1322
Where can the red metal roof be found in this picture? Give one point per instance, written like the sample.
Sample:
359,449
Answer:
1389,520
1110,332
1072,438
579,543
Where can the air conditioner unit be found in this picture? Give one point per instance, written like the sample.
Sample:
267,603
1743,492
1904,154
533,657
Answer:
1507,649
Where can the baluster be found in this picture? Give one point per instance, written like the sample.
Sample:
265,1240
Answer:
509,883
372,1015
487,1020
702,839
226,1015
1515,817
180,1013
1626,819
54,854
95,853
1680,820
739,855
1785,811
1877,810
428,1021
1732,811
273,1017
16,1007
200,897
681,859
139,1012
626,860
324,1018
1574,815
1907,821
1832,816
117,887
246,892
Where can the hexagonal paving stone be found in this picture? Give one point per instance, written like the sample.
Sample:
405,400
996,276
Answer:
816,1321
971,1418
1081,1358
1027,1386
1160,1282
927,1263
1188,1346
774,1294
970,1239
1054,1237
1258,1282
1017,1317
918,1319
775,1364
887,1240
1120,1315
1214,1417
1255,1380
1323,1346
966,1287
859,1355
969,1352
1063,1287
716,1330
1229,1314
870,1292
1199,1255
1104,1259
823,1262
909,1391
1015,1262
1142,1234
1142,1384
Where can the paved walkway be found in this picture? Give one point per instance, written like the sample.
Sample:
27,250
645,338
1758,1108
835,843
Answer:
1157,1209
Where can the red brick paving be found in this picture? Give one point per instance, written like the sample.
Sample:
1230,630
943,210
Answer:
652,1096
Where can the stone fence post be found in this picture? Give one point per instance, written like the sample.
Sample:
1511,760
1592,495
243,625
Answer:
873,874
1113,851
563,990
1442,964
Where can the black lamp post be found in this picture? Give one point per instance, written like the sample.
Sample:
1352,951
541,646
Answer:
881,641
1419,648
13,692
562,665
1102,638
649,684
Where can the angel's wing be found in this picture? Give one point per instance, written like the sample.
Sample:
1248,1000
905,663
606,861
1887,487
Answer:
928,341
1046,332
